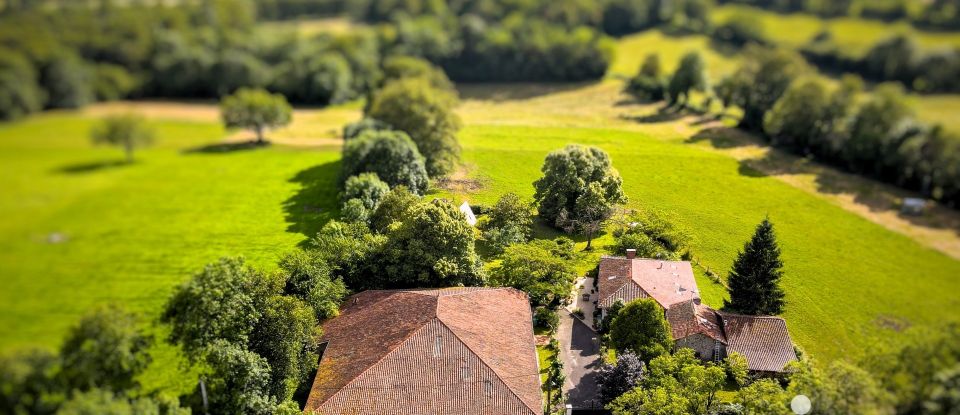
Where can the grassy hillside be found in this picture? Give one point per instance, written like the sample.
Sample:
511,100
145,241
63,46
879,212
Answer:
846,277
79,229
854,34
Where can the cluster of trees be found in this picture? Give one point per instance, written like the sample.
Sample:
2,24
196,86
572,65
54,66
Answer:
917,375
934,14
651,234
253,333
95,371
875,135
579,190
898,58
68,57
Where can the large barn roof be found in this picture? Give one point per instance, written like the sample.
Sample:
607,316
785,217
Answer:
450,351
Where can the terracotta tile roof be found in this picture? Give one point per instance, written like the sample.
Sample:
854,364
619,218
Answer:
690,317
668,282
445,351
763,340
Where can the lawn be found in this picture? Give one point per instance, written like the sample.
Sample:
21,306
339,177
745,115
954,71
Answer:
846,277
77,228
80,229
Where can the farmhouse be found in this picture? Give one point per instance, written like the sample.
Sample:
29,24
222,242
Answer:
441,351
763,340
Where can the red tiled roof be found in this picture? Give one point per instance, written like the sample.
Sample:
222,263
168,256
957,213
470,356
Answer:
763,340
668,282
690,317
444,351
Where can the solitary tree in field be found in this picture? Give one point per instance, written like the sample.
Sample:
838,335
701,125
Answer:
578,189
256,110
641,328
127,131
755,277
691,75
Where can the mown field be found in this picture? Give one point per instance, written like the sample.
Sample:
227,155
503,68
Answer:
78,229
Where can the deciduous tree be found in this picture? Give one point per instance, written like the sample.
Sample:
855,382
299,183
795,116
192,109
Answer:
578,188
391,155
414,106
128,131
107,349
614,380
256,110
640,327
531,268
691,75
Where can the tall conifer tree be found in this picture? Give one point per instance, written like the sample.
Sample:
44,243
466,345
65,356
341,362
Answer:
755,278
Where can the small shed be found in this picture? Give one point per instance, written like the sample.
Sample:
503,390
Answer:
914,206
471,218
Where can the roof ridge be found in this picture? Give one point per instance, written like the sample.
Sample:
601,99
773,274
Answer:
397,347
727,313
483,362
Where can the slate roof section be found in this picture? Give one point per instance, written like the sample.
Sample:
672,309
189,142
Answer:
668,282
444,351
690,317
763,340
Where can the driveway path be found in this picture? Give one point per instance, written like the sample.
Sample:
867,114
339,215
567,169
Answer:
580,351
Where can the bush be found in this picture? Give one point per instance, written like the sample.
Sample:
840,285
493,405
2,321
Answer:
648,88
354,129
367,188
546,318
391,155
740,30
426,114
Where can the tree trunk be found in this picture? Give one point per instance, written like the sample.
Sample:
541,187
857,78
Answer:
589,241
128,149
259,130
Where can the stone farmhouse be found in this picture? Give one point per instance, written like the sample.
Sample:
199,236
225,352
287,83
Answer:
712,334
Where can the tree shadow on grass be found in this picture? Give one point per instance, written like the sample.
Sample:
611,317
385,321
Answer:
220,148
877,197
724,137
316,201
502,92
91,167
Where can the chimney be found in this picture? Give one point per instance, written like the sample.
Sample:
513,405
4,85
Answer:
631,253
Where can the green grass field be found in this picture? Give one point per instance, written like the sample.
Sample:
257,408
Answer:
79,229
855,35
846,276
131,233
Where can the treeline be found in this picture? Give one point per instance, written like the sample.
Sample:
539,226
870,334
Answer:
899,58
71,57
934,14
875,134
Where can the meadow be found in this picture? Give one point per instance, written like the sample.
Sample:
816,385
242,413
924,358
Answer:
78,228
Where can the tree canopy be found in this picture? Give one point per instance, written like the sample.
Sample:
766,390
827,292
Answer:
578,188
755,278
256,110
534,269
107,349
425,113
128,131
640,327
391,155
